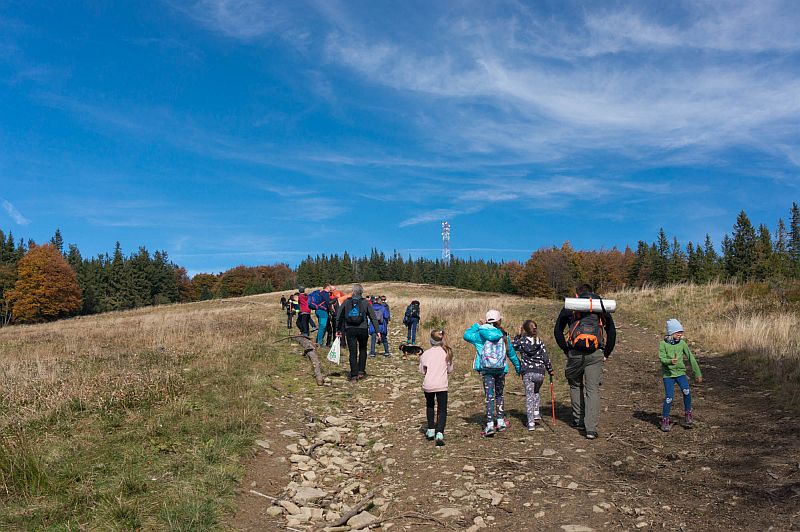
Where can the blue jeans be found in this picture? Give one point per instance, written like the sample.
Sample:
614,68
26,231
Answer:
669,393
373,341
412,331
322,316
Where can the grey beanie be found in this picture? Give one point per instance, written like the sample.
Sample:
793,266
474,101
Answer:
301,289
673,326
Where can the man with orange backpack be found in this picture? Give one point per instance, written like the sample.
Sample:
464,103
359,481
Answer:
589,342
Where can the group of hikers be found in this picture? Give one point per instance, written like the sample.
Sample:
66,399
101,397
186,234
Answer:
589,341
353,318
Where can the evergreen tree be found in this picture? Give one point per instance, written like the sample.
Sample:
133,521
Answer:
742,249
794,240
58,241
676,268
764,267
781,251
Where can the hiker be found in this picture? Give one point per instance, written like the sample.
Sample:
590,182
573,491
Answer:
492,346
319,301
330,329
411,320
534,362
304,315
673,370
380,328
353,325
290,309
589,343
436,363
283,302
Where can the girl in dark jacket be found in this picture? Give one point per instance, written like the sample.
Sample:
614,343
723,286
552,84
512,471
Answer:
534,362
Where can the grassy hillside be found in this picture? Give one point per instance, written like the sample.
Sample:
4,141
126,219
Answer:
753,323
141,419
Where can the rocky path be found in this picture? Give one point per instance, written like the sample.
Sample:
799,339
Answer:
357,449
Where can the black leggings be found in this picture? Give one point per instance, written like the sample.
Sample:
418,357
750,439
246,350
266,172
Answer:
441,399
302,323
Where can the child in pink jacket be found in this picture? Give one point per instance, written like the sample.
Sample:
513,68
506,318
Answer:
436,363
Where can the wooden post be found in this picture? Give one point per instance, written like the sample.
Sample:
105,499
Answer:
310,351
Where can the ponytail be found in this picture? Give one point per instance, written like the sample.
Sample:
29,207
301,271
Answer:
437,339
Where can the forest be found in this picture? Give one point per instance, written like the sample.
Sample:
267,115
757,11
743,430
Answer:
43,282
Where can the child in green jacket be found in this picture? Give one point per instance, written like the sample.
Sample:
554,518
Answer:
670,352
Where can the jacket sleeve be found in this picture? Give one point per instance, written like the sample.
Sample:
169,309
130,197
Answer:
512,356
547,364
663,355
340,317
422,367
515,342
611,335
692,361
558,330
473,335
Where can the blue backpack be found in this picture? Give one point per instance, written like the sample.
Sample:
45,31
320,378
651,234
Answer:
315,300
493,354
354,316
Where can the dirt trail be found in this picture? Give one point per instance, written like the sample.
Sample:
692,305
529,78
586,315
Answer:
739,469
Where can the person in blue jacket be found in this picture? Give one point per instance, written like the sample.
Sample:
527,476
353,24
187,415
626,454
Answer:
492,347
382,313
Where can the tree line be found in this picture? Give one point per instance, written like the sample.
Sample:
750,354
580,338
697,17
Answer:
44,282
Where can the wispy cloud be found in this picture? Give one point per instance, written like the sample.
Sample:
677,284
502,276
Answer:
440,215
15,215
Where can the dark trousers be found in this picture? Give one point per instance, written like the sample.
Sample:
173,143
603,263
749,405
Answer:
357,344
289,316
330,328
302,322
436,421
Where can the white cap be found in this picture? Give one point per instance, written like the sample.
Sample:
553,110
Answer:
493,316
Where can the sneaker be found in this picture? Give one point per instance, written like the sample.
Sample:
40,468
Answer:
502,425
488,431
536,416
387,355
430,433
532,426
578,425
372,355
361,376
665,424
439,439
689,421
590,435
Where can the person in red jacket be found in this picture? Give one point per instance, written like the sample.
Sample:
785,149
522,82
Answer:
305,313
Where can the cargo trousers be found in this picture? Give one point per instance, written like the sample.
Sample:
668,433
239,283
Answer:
584,373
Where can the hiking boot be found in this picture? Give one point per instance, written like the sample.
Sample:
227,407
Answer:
488,431
502,425
689,421
439,439
665,424
591,435
576,424
361,376
430,433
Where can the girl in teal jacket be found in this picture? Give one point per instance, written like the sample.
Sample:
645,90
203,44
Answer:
671,351
491,342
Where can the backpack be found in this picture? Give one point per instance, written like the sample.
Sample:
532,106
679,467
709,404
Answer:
587,333
493,354
315,300
354,316
380,315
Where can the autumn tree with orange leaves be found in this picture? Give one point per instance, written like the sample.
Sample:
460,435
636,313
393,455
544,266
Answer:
46,287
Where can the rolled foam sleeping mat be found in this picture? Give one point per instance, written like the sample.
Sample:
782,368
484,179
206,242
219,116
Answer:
589,305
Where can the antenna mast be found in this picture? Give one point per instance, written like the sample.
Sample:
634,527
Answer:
446,242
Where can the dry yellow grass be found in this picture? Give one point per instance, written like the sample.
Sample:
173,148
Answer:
748,321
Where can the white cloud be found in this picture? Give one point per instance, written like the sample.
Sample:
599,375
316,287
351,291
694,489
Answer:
15,215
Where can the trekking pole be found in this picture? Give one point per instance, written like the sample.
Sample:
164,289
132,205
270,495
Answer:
552,401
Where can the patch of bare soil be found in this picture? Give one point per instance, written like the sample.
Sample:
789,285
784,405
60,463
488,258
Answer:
343,444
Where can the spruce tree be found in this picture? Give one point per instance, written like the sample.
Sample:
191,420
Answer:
742,249
794,240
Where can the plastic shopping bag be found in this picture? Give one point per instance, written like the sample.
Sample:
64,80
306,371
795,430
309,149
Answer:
333,354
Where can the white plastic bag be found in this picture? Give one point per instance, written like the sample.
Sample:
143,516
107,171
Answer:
333,354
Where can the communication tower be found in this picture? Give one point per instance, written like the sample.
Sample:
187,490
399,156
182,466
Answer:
446,242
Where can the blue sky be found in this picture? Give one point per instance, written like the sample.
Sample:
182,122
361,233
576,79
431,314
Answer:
246,132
